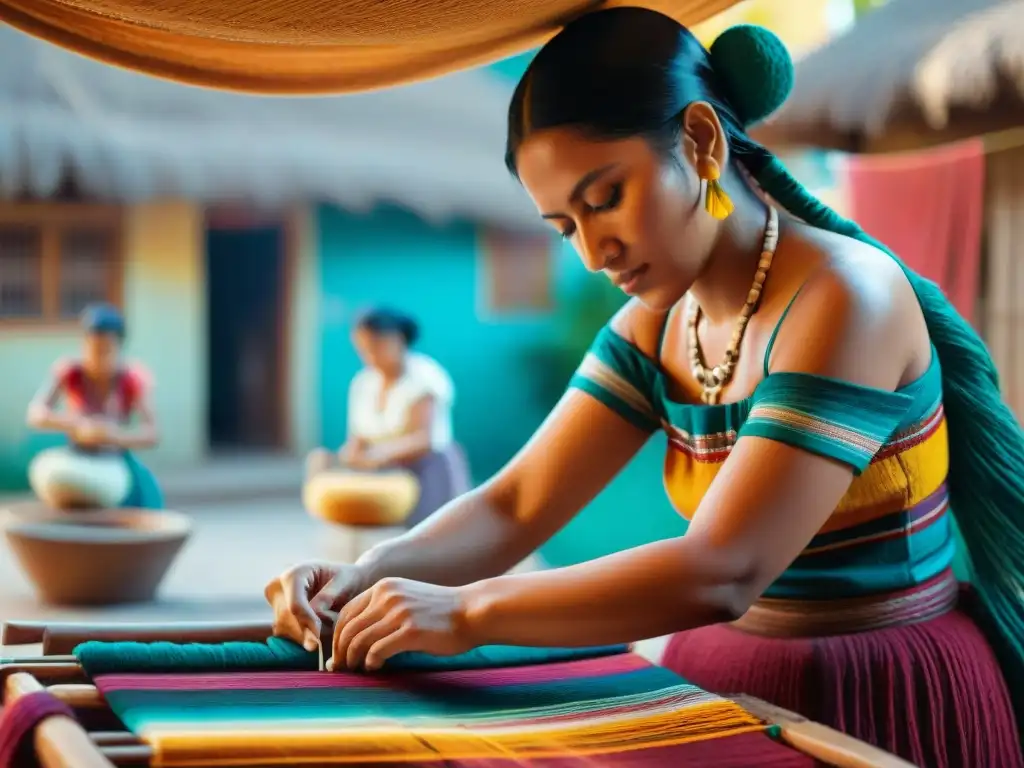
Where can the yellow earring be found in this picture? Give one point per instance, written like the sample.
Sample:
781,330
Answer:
716,202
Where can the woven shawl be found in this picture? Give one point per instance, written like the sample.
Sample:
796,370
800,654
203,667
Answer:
580,707
309,46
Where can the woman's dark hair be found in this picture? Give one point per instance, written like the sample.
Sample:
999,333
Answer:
103,318
381,320
629,72
622,73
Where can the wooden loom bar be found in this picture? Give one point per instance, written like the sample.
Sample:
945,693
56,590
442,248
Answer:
78,695
819,741
62,638
47,660
48,673
114,739
124,750
60,742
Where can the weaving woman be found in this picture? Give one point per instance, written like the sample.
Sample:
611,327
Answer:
107,417
827,413
399,417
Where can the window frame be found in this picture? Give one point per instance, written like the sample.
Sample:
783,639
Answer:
494,244
52,220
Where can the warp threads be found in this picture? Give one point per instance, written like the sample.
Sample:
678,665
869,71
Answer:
99,658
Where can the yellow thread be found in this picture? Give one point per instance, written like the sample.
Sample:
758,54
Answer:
679,725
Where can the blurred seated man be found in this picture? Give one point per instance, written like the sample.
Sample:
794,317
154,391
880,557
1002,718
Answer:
399,417
102,396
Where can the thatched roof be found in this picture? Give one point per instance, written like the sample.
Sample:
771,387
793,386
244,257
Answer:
910,74
435,147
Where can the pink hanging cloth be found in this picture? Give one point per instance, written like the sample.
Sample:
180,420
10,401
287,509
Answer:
928,207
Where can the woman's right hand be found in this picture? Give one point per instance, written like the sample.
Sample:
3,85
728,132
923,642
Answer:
303,596
90,432
351,451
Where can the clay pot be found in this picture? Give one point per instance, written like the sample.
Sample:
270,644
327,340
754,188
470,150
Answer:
101,557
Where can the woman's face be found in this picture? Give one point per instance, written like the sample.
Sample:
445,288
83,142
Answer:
100,353
382,351
629,212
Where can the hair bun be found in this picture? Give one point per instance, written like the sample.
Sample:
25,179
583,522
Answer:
754,68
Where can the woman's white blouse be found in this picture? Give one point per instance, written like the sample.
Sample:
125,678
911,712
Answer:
374,421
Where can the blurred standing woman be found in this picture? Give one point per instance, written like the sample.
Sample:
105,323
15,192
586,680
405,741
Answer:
400,413
102,395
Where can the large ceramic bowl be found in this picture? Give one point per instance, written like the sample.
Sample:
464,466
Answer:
103,557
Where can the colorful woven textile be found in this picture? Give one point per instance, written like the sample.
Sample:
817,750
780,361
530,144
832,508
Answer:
611,709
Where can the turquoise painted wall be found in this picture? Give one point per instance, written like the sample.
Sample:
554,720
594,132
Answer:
395,258
512,68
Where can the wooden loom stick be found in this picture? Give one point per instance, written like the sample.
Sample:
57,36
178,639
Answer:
60,742
66,659
78,695
819,741
114,739
59,638
64,672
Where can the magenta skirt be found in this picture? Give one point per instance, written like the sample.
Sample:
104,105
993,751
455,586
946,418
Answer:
930,692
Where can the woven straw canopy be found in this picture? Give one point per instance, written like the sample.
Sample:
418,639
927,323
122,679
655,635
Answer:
309,46
911,74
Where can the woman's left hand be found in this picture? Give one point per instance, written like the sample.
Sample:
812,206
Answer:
95,432
367,460
398,615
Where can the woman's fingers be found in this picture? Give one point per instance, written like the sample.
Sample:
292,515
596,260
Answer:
353,619
294,617
298,606
287,627
333,596
361,643
354,607
399,641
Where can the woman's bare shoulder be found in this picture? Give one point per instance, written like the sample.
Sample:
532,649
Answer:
865,274
640,326
855,286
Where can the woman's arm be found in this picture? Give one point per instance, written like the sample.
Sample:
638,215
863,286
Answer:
42,413
145,434
762,510
354,443
494,527
414,443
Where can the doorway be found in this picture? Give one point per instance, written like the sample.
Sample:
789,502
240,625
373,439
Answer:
246,269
